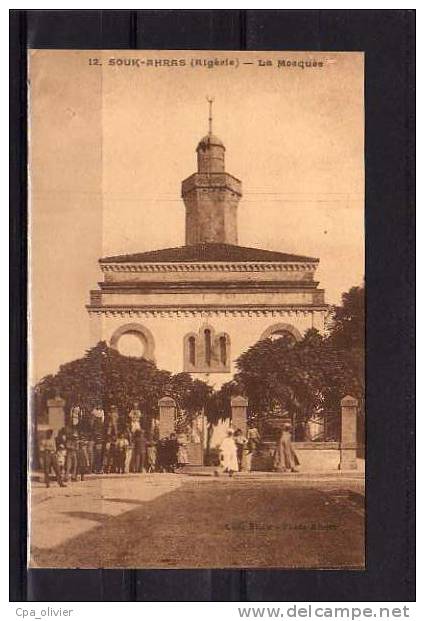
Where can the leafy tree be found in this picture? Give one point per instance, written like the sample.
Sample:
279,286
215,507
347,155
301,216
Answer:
347,328
347,333
190,395
305,378
218,406
104,375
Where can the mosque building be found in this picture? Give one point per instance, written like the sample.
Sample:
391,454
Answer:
197,307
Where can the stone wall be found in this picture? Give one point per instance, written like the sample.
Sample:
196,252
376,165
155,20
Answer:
313,456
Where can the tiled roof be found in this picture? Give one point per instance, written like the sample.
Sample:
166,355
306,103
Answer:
202,253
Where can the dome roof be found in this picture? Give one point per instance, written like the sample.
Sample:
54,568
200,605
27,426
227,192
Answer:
210,139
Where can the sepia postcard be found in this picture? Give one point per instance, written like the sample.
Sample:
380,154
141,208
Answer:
196,309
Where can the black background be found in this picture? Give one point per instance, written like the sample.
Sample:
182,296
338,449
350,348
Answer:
387,38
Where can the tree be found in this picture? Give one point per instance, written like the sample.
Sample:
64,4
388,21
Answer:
218,405
191,396
347,334
104,375
347,329
314,374
304,378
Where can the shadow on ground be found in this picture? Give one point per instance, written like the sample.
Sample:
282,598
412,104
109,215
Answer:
221,525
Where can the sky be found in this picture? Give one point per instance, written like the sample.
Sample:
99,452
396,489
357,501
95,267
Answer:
110,144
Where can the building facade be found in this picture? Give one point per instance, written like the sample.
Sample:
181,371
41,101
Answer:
197,307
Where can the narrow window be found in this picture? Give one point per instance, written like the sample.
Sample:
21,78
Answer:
223,350
207,334
192,350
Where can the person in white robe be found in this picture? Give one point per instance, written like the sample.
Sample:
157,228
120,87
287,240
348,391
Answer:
228,454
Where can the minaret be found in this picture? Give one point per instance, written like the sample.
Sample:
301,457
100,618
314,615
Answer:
211,195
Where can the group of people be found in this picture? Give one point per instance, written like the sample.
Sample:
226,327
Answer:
236,451
106,444
95,443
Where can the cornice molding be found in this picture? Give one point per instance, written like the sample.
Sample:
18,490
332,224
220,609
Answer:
206,311
202,286
211,181
242,266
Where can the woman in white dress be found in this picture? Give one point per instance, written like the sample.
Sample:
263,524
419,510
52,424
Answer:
228,454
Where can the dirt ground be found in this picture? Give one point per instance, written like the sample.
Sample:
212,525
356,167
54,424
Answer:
170,521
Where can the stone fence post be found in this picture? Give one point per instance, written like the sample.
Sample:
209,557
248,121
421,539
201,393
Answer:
56,413
348,450
239,407
167,416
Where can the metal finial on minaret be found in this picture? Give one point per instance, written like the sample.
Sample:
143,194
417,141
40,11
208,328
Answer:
210,102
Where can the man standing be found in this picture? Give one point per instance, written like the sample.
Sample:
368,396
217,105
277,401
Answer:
98,452
182,454
285,458
48,450
135,418
90,450
82,457
254,440
240,442
154,435
121,452
129,451
71,456
139,451
62,436
173,448
75,416
98,417
112,421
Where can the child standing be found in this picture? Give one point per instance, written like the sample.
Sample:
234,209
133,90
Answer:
82,457
109,460
48,451
151,456
121,448
60,459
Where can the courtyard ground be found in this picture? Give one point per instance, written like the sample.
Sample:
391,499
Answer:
169,521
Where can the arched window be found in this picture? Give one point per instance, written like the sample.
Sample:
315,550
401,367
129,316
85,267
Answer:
134,340
206,351
192,350
223,350
207,336
282,330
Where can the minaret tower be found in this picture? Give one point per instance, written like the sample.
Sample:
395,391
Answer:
211,195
